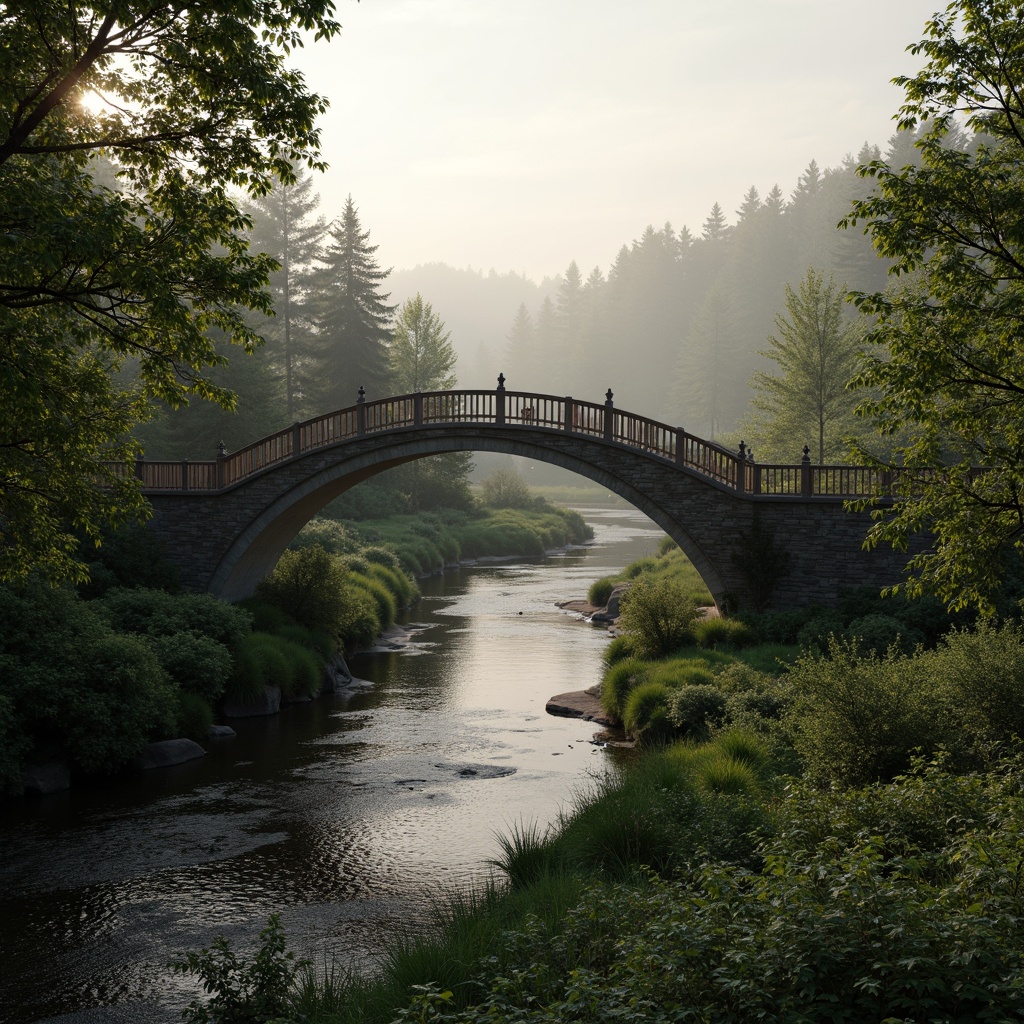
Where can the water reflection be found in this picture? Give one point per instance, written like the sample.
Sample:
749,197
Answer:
345,814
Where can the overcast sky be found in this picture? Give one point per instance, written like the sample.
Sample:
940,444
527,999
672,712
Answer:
523,134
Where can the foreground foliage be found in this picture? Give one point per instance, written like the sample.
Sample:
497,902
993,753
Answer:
125,131
946,370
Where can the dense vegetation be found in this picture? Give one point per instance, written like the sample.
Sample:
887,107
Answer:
821,822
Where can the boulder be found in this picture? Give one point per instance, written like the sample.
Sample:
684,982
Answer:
43,779
168,752
337,676
267,704
611,611
221,732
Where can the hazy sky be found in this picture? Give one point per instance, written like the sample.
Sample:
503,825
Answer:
523,134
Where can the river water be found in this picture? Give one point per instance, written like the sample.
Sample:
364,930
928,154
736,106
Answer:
347,815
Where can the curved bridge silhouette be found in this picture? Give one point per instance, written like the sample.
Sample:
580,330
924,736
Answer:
226,522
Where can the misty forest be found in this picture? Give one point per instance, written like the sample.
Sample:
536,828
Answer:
679,326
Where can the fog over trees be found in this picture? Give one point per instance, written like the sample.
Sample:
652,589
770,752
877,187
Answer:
679,326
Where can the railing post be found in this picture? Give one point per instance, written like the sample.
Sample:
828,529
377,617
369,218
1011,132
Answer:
361,412
805,473
296,440
567,414
139,472
756,482
609,412
499,405
184,474
222,458
680,446
741,469
417,409
887,482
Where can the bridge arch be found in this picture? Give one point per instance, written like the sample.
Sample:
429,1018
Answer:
256,550
227,522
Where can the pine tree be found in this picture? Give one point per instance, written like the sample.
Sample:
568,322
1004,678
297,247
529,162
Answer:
805,399
286,226
520,347
420,357
715,227
353,318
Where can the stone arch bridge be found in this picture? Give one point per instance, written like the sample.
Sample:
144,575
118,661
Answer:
226,522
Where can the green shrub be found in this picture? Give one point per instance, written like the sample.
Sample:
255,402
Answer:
194,717
328,534
658,615
979,676
157,613
505,488
248,674
243,992
715,631
678,672
644,716
600,591
379,555
618,683
310,586
640,567
383,599
816,634
266,617
879,633
858,718
695,710
199,665
720,773
117,698
360,625
405,591
306,675
619,648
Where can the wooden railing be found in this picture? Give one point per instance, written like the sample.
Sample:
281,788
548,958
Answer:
516,409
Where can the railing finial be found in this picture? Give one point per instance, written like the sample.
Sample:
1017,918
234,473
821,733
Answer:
743,451
222,450
608,397
362,395
807,454
501,382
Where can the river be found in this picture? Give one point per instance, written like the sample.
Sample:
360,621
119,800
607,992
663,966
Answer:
347,815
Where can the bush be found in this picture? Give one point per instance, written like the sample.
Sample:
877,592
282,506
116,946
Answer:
156,613
360,625
696,710
618,683
658,615
878,633
310,586
199,665
619,648
240,992
678,672
816,634
715,631
644,716
600,591
505,488
858,718
384,601
194,717
118,698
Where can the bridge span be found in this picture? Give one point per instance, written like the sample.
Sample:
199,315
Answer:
227,521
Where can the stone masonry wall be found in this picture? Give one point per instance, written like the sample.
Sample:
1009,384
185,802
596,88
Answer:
225,542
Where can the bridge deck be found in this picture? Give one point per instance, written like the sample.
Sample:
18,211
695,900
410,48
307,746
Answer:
517,409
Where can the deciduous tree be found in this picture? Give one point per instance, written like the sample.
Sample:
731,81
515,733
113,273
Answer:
947,365
190,101
804,399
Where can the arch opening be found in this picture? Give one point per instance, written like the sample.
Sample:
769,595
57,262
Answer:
256,549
